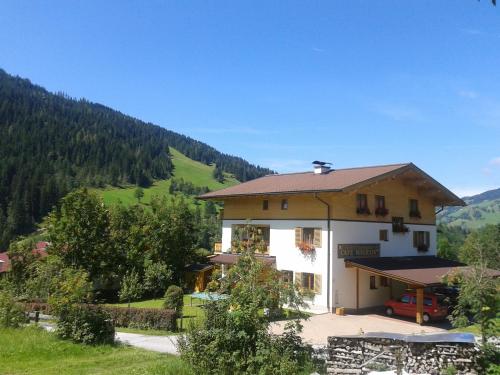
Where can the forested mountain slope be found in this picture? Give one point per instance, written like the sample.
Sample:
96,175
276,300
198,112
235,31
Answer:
481,209
50,144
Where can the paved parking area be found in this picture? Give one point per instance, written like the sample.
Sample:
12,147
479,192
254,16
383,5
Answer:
318,327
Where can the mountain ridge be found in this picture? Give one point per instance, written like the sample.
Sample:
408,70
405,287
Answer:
51,143
481,209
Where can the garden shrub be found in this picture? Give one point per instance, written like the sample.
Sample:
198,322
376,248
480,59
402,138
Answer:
11,313
86,324
174,299
161,319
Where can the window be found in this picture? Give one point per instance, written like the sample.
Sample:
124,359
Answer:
309,281
265,204
421,240
384,281
383,235
242,234
362,204
308,236
427,301
398,225
414,211
405,299
287,276
284,204
373,284
380,209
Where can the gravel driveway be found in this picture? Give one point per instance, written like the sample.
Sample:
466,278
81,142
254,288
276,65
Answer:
162,344
318,327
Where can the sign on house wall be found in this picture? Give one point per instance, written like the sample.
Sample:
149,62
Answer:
358,250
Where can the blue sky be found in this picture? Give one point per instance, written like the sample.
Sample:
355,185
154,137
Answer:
282,83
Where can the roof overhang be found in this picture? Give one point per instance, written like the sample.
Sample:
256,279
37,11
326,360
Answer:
420,271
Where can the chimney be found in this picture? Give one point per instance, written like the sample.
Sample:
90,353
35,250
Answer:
321,167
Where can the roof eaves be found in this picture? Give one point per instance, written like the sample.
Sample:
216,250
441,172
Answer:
291,192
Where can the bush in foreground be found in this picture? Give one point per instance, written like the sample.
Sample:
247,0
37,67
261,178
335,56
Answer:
174,299
11,314
86,324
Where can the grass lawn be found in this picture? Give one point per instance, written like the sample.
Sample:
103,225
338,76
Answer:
195,172
33,351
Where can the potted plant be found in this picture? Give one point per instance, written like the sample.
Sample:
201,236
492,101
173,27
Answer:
381,211
363,211
306,248
415,214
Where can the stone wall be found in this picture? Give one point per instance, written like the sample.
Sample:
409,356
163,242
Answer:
419,354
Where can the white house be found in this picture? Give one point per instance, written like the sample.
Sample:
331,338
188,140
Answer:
352,236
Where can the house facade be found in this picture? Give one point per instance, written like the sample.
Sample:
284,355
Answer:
314,222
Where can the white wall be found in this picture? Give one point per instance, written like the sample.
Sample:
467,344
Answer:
343,280
282,246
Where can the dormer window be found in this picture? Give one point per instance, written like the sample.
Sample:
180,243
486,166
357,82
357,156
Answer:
380,209
362,205
414,211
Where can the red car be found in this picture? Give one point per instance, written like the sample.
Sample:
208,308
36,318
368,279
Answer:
434,308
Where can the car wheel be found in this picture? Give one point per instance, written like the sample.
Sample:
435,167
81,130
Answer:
389,311
426,318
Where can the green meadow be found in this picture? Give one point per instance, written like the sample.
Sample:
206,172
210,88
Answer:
195,172
33,351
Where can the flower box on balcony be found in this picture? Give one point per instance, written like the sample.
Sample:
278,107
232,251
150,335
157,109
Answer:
400,229
381,211
363,211
306,248
415,214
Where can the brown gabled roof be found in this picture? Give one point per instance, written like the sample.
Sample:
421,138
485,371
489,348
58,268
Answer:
332,181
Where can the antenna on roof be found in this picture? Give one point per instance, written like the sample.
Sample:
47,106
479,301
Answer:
321,167
316,162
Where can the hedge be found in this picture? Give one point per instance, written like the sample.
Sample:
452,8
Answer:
162,319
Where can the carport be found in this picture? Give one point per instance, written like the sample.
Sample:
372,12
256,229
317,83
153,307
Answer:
418,272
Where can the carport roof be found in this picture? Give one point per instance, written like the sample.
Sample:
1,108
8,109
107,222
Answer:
415,270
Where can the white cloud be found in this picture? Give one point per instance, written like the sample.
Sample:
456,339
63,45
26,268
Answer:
495,161
470,94
318,50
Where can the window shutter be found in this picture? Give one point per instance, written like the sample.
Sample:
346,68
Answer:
427,239
415,239
317,284
317,237
298,236
298,279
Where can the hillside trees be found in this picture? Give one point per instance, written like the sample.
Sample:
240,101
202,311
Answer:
482,245
51,144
